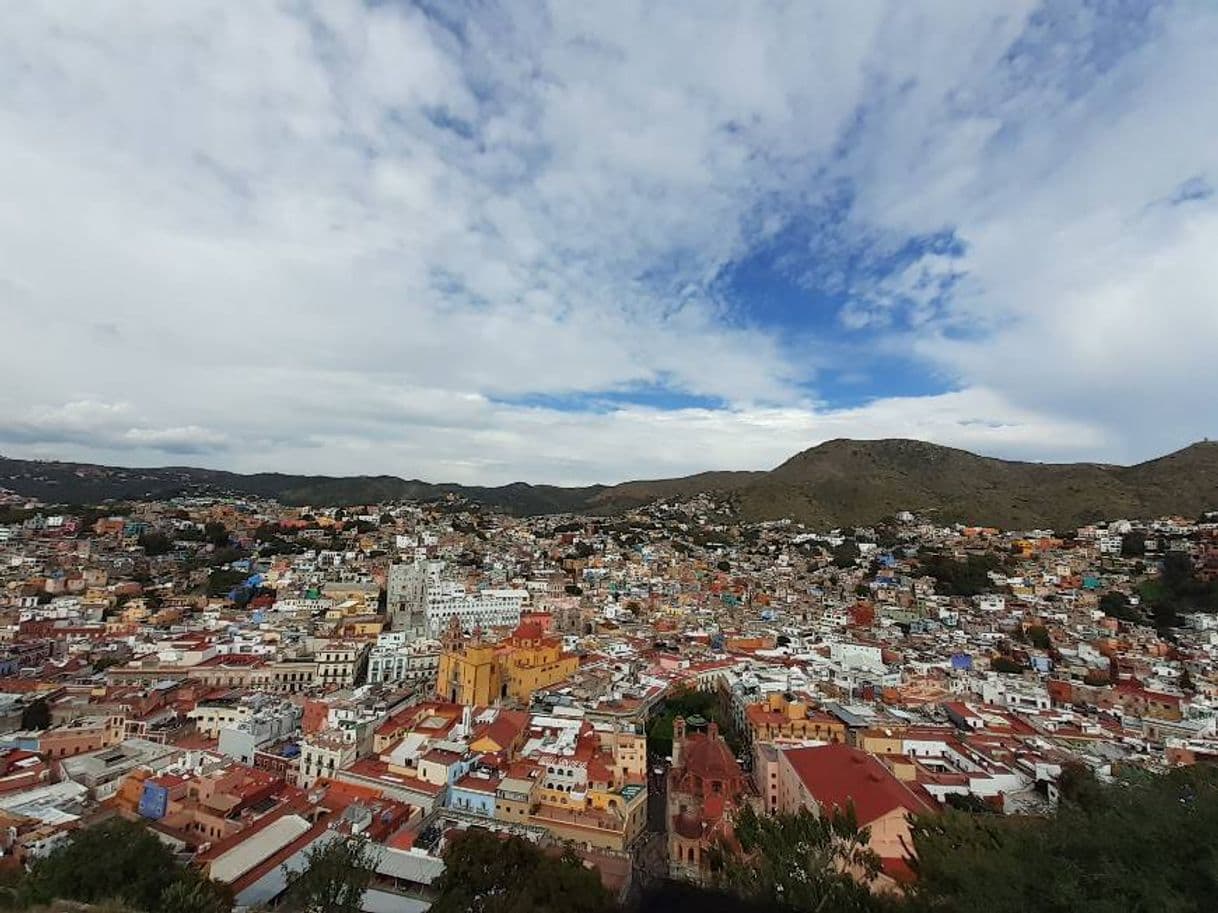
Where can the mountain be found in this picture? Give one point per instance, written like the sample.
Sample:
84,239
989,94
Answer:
838,483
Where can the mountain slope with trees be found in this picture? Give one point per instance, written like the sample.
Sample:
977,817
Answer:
838,483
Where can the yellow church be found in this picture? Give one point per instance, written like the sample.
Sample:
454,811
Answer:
474,671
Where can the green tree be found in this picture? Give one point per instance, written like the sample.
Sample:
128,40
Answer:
192,893
154,543
802,861
1006,664
1107,849
1038,636
1186,681
1133,544
1115,604
845,554
37,715
114,860
961,578
334,878
486,874
216,533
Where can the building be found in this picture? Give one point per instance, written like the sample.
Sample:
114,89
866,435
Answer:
485,609
406,596
829,777
469,671
535,661
474,671
705,786
341,663
398,658
783,718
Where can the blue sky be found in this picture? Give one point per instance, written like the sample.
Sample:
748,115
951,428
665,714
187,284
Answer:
591,242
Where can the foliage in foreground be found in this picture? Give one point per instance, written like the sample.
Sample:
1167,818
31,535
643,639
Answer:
1147,843
486,874
334,878
800,861
120,860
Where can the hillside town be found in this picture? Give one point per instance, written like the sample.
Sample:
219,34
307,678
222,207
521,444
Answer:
250,681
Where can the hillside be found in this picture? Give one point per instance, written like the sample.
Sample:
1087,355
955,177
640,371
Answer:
840,482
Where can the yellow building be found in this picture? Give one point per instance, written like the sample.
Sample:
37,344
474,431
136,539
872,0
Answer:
534,661
469,671
473,671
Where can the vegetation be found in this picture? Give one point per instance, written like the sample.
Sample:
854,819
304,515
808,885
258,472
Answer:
334,878
37,715
220,582
809,487
1178,589
801,861
1117,605
688,703
154,543
486,874
846,554
961,578
120,860
1038,636
1006,664
1108,848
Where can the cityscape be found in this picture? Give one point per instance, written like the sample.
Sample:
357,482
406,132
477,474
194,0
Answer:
250,681
533,456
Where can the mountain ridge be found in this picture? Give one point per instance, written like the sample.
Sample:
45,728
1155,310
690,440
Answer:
841,482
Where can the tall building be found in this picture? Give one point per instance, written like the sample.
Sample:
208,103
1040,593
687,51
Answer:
705,786
406,596
398,657
535,661
469,671
485,609
421,604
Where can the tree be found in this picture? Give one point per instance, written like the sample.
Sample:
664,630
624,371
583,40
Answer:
1186,681
216,533
1038,636
118,860
1115,604
220,582
1133,544
154,543
961,578
37,715
803,861
845,554
484,873
1112,848
192,893
334,878
1006,664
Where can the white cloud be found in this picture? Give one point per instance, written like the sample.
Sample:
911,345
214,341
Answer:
334,237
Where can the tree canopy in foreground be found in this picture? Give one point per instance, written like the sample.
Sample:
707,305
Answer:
486,874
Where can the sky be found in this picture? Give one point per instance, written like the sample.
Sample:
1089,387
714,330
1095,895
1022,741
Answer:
589,242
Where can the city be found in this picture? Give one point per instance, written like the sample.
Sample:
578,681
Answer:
539,456
249,680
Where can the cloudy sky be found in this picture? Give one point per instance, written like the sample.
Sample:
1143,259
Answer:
578,242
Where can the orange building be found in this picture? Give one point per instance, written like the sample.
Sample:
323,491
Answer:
782,718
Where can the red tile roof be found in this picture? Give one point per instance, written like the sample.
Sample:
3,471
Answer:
837,775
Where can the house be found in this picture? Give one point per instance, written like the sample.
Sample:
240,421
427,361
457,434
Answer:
826,777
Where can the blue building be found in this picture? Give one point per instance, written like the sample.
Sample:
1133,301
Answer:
474,793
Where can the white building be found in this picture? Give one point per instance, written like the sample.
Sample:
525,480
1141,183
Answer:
396,658
486,608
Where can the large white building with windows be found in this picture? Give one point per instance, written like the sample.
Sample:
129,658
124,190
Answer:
398,658
485,609
421,603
